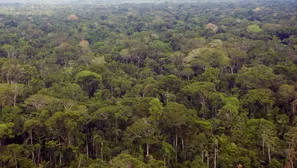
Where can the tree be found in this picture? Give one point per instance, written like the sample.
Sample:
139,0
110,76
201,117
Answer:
229,112
257,77
168,86
10,50
143,131
204,58
39,101
66,128
17,90
237,58
198,163
262,97
5,95
15,150
263,131
177,59
286,93
210,75
175,120
65,52
291,152
254,28
188,72
15,72
146,129
168,152
109,118
170,83
89,81
126,161
212,27
202,92
5,131
30,126
155,110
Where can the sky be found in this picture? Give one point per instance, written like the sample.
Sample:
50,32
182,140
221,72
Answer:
110,1
86,1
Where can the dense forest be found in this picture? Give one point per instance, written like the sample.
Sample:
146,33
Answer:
167,85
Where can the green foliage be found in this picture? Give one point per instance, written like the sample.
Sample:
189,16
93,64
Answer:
168,151
87,75
156,109
5,129
275,164
149,86
98,164
254,29
89,81
126,161
207,57
258,77
26,163
197,162
210,75
262,96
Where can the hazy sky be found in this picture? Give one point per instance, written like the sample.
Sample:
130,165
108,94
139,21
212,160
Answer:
87,1
117,1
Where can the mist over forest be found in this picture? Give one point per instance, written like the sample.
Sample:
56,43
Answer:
128,1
